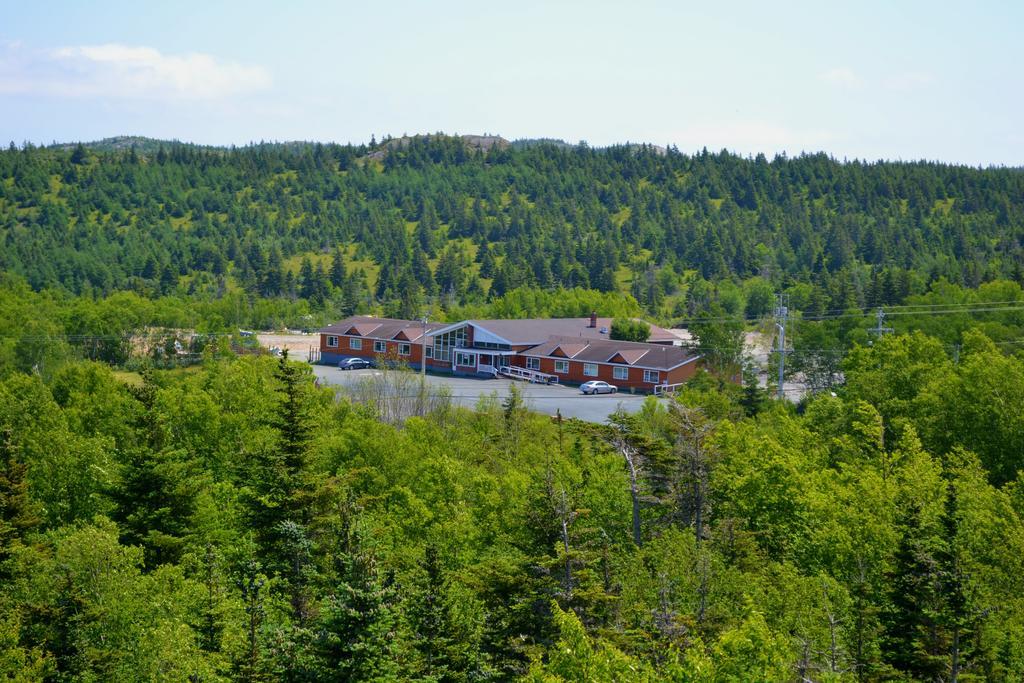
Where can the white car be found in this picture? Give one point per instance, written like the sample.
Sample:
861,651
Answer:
598,387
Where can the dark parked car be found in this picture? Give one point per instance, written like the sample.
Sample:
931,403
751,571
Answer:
354,364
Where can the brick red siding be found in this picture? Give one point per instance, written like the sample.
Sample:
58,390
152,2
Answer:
605,373
391,349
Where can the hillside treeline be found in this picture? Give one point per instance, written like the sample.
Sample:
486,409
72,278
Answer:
395,227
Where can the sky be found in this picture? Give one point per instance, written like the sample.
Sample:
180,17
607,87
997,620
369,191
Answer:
869,80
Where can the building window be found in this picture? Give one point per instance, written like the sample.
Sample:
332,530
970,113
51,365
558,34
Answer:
533,363
332,341
620,373
464,359
491,345
404,349
355,344
380,347
651,376
430,352
562,367
444,343
590,369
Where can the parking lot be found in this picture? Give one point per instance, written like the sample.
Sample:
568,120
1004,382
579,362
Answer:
543,398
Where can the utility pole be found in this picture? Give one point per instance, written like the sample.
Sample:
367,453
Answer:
781,314
880,328
423,349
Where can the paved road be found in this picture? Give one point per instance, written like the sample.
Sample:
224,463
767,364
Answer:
542,398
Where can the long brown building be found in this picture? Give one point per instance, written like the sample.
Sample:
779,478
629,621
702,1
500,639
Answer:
568,350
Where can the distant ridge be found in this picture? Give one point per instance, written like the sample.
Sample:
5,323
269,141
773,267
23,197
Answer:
483,143
148,146
523,143
123,143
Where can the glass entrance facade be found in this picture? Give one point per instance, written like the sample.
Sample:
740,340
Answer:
445,343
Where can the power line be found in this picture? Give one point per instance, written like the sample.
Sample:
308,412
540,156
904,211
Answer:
818,318
893,307
959,311
948,305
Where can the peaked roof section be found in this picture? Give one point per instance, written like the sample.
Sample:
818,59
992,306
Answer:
362,329
530,331
568,349
644,355
381,328
628,356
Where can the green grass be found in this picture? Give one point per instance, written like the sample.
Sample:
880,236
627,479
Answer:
132,379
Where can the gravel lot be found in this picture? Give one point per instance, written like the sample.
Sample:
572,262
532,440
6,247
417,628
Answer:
539,397
297,344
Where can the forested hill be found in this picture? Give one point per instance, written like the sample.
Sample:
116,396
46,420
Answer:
388,225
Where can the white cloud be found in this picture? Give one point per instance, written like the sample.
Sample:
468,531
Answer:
122,71
842,77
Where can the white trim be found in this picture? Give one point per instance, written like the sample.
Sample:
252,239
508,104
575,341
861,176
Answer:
679,365
624,369
408,348
380,343
566,370
355,343
533,360
595,373
657,377
475,326
447,328
328,341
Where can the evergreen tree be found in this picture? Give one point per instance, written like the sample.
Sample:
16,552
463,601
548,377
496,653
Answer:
358,625
754,398
426,227
486,259
155,501
278,487
434,636
338,274
307,281
18,513
421,269
79,156
912,627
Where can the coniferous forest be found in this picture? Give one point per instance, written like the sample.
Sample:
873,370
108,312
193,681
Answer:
229,519
410,221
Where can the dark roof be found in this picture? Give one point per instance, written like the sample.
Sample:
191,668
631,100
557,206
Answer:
380,328
640,354
538,330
